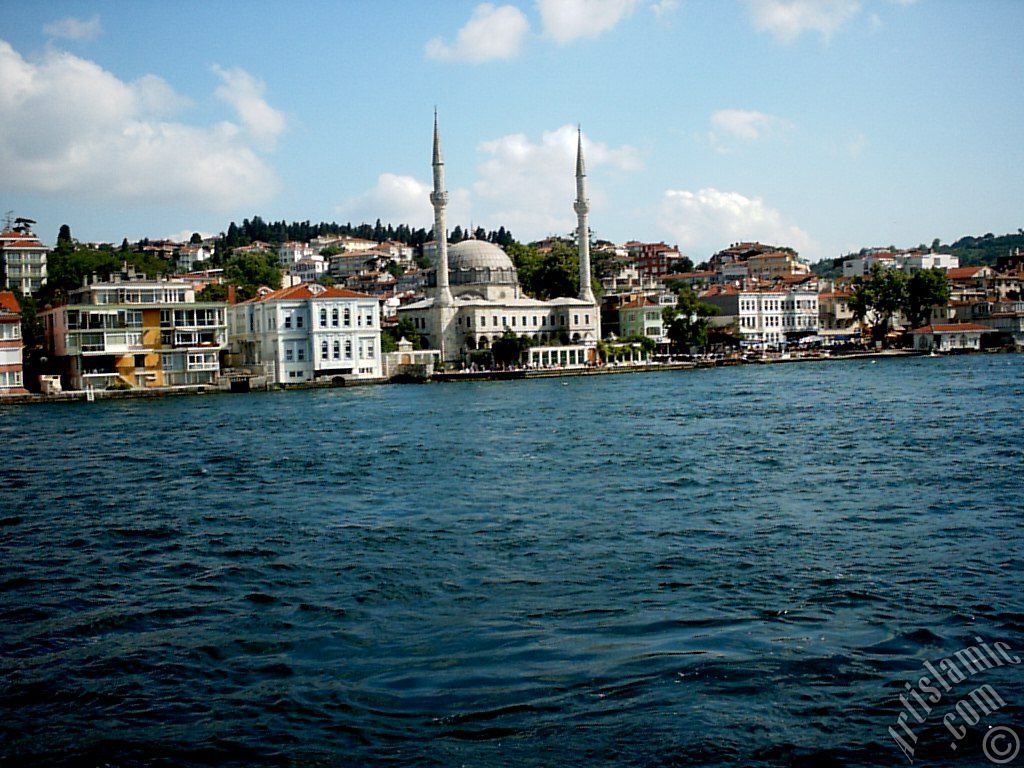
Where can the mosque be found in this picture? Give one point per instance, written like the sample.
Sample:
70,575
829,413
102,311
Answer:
474,297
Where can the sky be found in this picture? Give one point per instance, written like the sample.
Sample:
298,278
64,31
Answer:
825,125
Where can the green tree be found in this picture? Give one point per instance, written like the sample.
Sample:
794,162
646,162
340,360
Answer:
64,242
686,324
926,288
389,337
509,349
877,297
250,271
196,238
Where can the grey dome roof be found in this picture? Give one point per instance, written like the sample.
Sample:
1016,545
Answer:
477,254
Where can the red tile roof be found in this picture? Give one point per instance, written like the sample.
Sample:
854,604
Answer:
963,273
302,291
8,302
638,303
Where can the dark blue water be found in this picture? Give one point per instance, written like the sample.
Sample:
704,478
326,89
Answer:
734,566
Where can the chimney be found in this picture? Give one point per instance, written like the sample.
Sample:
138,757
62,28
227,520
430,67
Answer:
231,295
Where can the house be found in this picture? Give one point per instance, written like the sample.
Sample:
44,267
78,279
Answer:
836,321
766,317
307,332
309,269
857,266
949,337
641,317
11,373
1007,318
915,261
653,259
22,261
191,256
135,332
291,252
769,266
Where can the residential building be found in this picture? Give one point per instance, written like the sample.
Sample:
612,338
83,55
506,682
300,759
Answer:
11,373
857,266
291,252
1007,317
193,256
765,317
836,321
137,332
950,337
309,269
693,279
307,332
22,261
641,317
772,265
915,260
653,259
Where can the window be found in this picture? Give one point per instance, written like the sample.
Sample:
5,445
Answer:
348,317
370,349
298,321
575,319
586,318
534,321
300,354
348,349
513,321
337,349
334,317
287,321
288,354
483,321
323,317
323,349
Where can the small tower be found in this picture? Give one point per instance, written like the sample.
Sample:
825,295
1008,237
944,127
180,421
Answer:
582,207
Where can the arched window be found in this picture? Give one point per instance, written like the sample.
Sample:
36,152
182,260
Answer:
348,318
323,349
323,317
337,349
334,317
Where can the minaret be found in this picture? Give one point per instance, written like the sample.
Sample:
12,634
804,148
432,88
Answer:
582,206
439,199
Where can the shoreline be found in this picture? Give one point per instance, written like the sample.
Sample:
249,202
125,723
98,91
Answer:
32,398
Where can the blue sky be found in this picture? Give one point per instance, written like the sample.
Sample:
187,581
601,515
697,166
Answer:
823,124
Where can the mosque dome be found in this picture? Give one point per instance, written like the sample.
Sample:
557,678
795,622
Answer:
479,262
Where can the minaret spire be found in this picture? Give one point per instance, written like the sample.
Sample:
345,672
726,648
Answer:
582,207
439,199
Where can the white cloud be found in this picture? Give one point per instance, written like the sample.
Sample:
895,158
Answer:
529,187
403,200
566,20
788,19
70,128
71,28
491,33
747,124
245,93
708,220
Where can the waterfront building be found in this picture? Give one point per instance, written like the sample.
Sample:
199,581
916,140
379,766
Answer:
11,372
131,331
474,296
1007,317
765,318
952,337
307,332
642,317
836,321
22,261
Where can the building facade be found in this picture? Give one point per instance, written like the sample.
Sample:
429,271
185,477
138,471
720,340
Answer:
11,372
307,332
134,332
22,262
